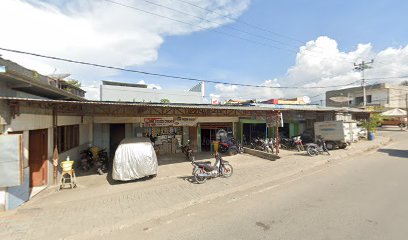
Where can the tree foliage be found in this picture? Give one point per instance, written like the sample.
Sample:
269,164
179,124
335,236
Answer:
164,100
373,122
74,83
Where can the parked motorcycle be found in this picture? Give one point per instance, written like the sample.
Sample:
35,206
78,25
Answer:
314,149
102,162
204,170
270,145
292,143
188,152
86,161
258,144
231,145
299,143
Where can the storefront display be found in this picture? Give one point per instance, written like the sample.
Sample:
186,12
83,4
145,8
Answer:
166,139
209,132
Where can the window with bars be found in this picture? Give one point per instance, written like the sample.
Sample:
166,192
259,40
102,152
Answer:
67,137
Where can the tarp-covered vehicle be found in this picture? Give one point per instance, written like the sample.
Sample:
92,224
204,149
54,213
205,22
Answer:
134,158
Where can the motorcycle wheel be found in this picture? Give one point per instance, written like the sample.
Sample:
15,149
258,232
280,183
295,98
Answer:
197,178
227,170
190,157
299,148
311,151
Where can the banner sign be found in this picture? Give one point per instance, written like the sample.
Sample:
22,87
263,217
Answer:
215,101
158,122
185,121
169,122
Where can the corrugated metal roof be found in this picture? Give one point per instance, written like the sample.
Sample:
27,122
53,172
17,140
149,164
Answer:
260,107
42,84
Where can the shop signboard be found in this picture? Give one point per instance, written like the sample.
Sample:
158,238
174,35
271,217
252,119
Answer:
158,122
215,101
185,121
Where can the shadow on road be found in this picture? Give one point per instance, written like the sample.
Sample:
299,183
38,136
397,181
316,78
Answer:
189,179
180,158
395,152
391,129
111,181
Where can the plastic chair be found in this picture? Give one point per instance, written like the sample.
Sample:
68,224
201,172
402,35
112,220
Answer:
67,175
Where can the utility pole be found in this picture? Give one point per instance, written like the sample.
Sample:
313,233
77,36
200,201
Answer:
360,67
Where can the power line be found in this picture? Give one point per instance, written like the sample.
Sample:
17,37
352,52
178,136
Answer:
241,21
195,25
253,26
361,67
214,30
380,78
162,75
218,24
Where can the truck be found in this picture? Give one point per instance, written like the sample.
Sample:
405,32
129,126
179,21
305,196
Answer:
337,134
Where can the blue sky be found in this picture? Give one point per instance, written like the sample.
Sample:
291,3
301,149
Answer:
172,48
210,55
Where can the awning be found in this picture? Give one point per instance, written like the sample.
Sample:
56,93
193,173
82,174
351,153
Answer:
396,112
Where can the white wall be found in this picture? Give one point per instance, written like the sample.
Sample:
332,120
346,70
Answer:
379,96
2,198
27,122
134,94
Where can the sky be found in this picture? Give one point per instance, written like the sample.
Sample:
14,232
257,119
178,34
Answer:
288,47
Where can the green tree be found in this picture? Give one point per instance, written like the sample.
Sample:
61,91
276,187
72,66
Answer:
74,83
373,122
164,100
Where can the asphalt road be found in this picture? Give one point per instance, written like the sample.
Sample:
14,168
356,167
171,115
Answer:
365,197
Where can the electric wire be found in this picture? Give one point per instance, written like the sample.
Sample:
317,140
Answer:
200,27
163,75
241,21
254,26
218,31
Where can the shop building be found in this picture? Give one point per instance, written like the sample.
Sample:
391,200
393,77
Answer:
76,125
33,134
36,116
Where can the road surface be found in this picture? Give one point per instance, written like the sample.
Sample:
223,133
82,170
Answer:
365,197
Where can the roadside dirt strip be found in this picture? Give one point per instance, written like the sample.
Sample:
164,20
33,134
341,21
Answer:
137,202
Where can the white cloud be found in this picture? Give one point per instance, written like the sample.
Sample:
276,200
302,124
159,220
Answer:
150,85
321,63
226,88
99,31
237,92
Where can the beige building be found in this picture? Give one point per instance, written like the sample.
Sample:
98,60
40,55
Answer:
383,94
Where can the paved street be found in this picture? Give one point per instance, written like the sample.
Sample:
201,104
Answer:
101,209
361,198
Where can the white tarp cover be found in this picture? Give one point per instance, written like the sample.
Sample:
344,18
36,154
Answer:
134,158
396,112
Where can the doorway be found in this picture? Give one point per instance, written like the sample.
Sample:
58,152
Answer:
251,131
117,134
37,158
